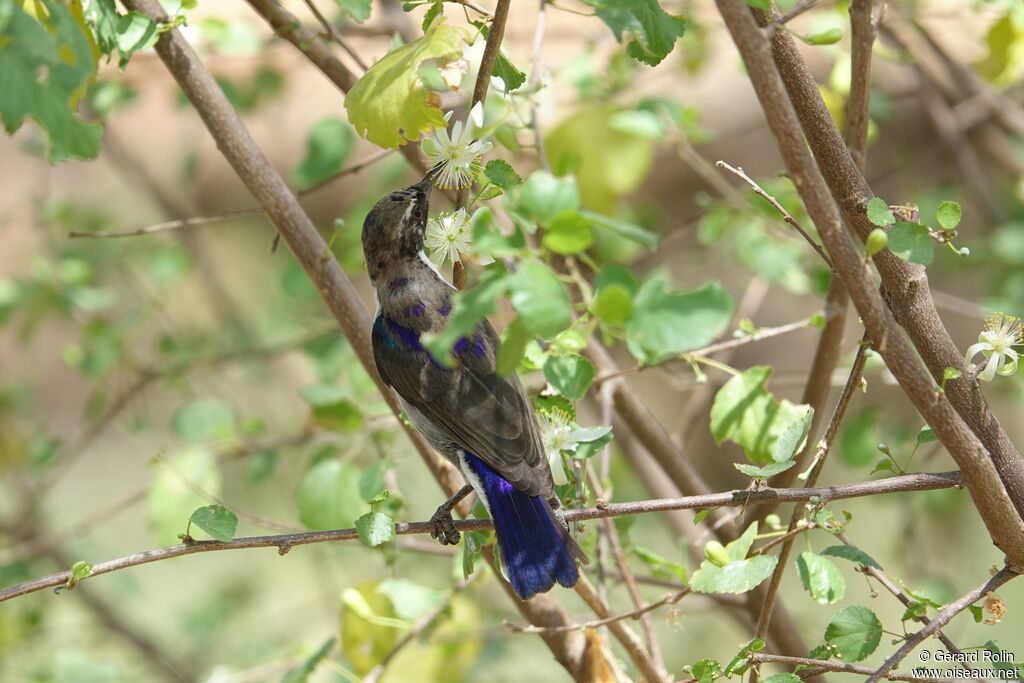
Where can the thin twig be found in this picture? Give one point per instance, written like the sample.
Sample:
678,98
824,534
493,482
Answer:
669,599
821,453
711,349
483,11
611,534
335,35
228,215
789,16
832,665
941,619
892,588
285,542
761,192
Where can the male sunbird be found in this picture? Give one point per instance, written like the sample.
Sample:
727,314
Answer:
481,422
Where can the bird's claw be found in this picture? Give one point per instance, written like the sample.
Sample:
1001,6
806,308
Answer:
444,527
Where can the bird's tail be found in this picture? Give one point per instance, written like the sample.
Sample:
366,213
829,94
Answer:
535,545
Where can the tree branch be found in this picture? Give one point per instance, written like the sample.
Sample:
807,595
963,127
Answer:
737,498
833,665
905,284
987,491
941,619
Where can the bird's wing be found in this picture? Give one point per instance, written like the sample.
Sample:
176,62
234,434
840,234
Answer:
478,409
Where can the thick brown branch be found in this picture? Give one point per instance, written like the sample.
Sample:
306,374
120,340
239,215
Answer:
987,491
905,284
285,542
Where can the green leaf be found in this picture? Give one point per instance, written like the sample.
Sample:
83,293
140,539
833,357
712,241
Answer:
388,105
827,37
509,74
792,437
741,662
513,347
540,299
375,528
879,212
621,228
333,407
764,5
706,670
613,304
948,214
765,472
660,566
329,496
204,420
745,412
568,233
735,577
665,323
329,143
300,674
638,122
436,10
174,492
821,578
785,677
543,196
739,548
883,465
135,32
605,172
44,70
854,633
359,10
81,570
410,599
216,520
468,308
926,435
570,374
652,31
851,553
912,242
502,174
369,627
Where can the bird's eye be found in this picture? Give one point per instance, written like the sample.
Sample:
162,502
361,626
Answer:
396,196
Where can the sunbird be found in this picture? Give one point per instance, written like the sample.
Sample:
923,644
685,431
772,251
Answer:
483,423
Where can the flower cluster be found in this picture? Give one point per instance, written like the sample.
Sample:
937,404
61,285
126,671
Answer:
448,237
457,157
1002,332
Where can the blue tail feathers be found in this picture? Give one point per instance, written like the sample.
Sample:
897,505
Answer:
535,547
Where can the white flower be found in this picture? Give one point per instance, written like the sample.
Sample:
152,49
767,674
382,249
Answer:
458,156
448,237
1001,333
557,433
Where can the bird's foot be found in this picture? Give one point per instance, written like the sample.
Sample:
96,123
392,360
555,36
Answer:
444,526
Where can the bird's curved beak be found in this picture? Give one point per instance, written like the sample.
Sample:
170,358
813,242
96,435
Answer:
427,184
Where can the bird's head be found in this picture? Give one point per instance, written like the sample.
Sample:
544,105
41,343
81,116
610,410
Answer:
393,230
